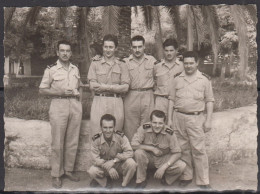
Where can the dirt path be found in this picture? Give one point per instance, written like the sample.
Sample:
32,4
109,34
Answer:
228,176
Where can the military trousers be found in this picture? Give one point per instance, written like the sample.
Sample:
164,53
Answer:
145,159
190,134
162,104
126,168
106,105
65,118
138,107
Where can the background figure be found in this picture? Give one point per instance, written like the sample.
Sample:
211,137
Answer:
61,81
109,79
139,101
112,155
190,92
156,144
165,70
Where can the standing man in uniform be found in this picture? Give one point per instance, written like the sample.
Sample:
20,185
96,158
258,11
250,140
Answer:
165,70
109,79
139,101
155,144
112,155
190,93
61,81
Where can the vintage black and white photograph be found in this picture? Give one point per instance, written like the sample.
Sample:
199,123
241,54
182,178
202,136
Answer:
130,98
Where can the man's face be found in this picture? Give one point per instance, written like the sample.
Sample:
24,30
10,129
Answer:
190,65
64,52
157,124
107,129
109,49
138,48
169,53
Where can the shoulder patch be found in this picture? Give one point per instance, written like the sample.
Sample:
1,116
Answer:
50,66
207,76
177,74
146,126
156,62
120,133
95,137
122,60
96,58
168,130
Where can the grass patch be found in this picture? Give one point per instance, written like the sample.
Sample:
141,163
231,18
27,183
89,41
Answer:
26,103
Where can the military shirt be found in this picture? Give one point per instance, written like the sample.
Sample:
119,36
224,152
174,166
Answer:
166,142
141,75
103,72
58,78
164,73
191,95
119,148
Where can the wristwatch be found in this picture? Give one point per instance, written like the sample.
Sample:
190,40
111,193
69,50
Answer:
115,160
169,164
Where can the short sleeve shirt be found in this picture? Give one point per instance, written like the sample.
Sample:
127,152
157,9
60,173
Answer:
103,72
191,95
141,74
164,74
58,78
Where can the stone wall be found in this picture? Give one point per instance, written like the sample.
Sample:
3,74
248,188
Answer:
27,143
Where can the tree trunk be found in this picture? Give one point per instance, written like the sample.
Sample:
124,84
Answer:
190,38
158,35
124,26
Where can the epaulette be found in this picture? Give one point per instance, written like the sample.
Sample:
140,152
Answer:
96,59
120,133
207,76
168,130
156,62
95,137
50,66
177,74
75,65
146,126
122,60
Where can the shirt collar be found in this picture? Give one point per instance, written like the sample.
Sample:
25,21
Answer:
150,130
59,65
131,57
176,62
103,139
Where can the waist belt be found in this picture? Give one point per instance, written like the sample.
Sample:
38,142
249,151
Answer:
65,97
189,113
163,96
141,89
109,95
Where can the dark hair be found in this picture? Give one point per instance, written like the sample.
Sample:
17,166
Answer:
63,42
170,42
110,37
159,114
138,38
108,117
190,54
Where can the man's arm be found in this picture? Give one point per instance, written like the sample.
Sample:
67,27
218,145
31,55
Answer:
95,153
127,150
208,123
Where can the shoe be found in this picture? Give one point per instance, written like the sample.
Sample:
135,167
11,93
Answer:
141,185
205,187
109,183
94,183
72,177
56,182
163,182
184,183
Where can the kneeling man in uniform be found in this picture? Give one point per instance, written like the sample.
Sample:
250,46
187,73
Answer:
112,155
156,144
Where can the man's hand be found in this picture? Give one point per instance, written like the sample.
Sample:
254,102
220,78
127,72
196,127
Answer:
207,126
160,172
108,165
113,174
156,151
101,88
100,173
96,58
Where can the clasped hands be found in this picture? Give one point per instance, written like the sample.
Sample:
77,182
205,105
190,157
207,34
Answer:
108,166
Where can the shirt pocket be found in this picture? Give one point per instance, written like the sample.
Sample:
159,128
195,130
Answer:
180,91
198,92
162,79
148,68
101,76
59,77
116,75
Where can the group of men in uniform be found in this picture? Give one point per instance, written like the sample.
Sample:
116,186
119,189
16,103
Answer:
134,100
